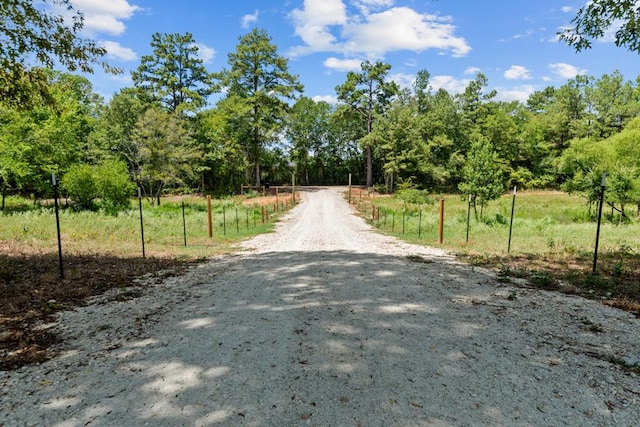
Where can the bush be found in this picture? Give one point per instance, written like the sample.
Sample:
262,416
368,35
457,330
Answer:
79,184
414,196
108,182
113,185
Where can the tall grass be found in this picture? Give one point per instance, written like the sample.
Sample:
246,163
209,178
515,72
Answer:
28,228
544,222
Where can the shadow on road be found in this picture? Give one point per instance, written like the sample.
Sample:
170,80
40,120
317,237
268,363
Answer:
333,338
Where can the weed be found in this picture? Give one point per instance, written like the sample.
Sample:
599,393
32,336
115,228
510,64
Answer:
597,282
543,280
618,268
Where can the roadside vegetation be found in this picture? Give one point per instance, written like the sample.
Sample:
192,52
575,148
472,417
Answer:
552,243
103,253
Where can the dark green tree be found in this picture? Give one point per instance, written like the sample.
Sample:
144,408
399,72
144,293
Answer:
165,154
308,131
220,134
482,174
259,77
369,93
173,74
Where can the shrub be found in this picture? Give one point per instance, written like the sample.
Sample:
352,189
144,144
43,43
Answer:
113,185
80,186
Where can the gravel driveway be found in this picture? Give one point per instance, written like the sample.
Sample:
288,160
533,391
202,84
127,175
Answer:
326,323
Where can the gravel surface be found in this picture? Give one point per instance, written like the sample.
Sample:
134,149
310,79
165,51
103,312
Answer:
327,323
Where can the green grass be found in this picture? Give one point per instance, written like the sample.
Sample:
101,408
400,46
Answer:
543,223
28,228
552,242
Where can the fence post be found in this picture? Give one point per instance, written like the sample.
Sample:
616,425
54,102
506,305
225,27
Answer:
513,205
141,221
184,225
441,222
468,216
224,220
54,184
595,252
209,216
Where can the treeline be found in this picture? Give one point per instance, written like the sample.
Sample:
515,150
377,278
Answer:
162,135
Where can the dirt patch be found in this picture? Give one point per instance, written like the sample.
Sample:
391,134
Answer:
31,293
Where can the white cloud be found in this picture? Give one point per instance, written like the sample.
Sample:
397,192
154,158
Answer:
566,9
343,64
472,71
403,80
402,28
449,83
566,71
116,51
330,99
312,24
247,20
205,53
325,26
517,72
365,6
518,93
105,16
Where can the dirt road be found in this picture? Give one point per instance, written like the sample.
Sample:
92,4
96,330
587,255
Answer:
327,323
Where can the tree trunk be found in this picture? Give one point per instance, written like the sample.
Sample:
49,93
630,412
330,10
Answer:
369,167
256,150
369,129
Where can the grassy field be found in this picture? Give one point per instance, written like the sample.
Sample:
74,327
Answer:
552,240
102,252
29,229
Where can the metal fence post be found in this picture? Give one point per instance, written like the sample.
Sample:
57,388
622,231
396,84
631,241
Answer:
595,252
55,202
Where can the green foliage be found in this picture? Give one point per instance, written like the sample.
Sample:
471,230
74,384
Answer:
414,196
107,186
164,150
259,81
114,186
369,93
79,184
174,74
482,174
594,20
29,31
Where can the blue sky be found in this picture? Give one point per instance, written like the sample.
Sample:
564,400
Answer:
512,42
